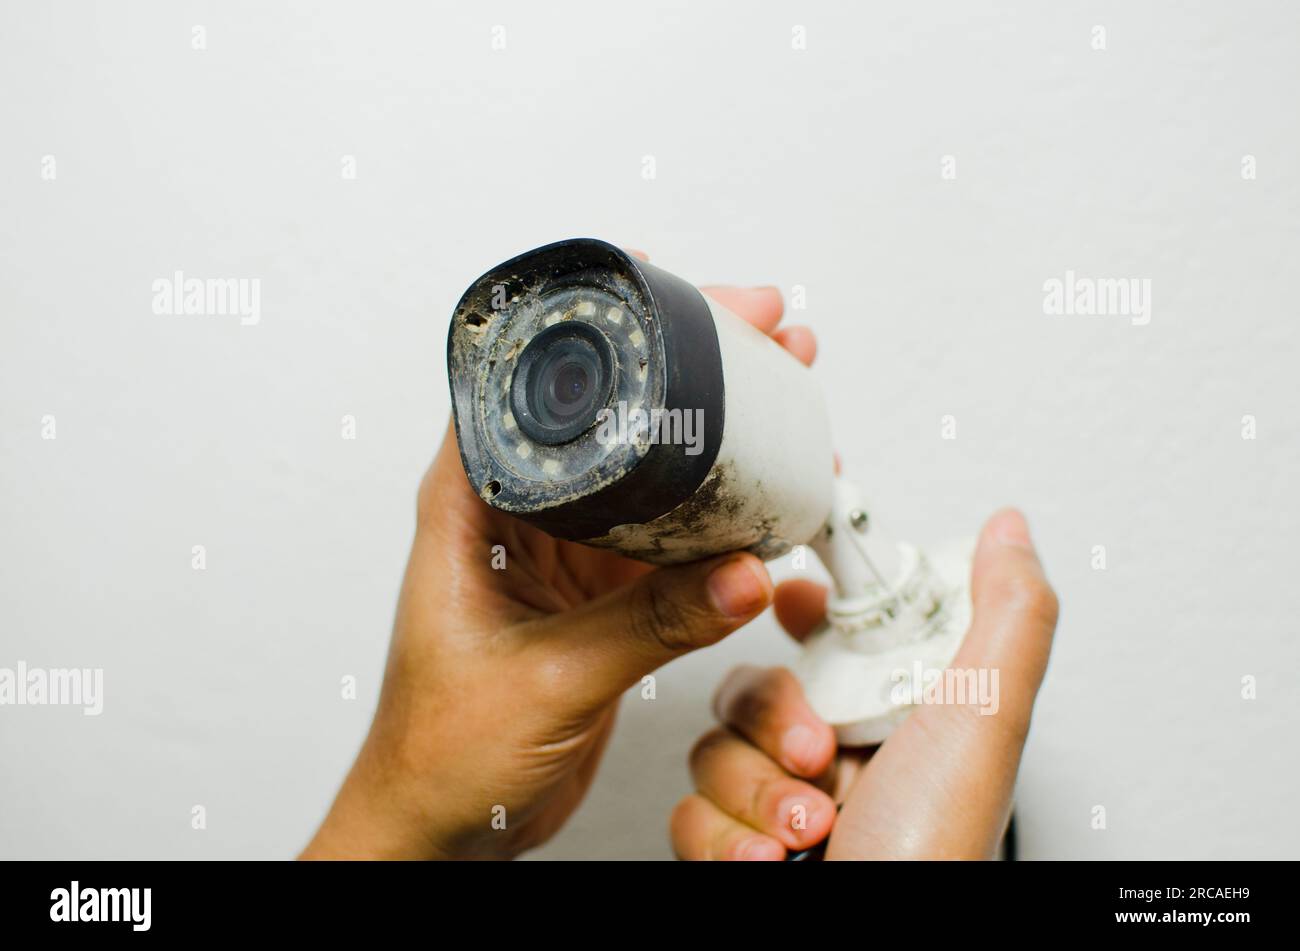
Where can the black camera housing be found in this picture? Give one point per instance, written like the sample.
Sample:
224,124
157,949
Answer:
663,350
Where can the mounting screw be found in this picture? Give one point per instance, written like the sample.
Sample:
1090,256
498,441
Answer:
858,519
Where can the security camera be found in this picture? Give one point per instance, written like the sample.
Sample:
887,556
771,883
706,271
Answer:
609,402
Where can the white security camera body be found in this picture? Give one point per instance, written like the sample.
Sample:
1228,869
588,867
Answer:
609,402
769,489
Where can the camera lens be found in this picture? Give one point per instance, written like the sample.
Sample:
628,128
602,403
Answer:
568,389
562,382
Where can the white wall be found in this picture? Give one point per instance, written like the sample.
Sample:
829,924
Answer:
818,167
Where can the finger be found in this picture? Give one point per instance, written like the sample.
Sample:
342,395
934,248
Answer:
639,255
800,607
1015,613
761,306
849,764
767,707
600,648
941,786
701,831
750,787
799,341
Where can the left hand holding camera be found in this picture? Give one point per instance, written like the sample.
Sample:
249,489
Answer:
507,664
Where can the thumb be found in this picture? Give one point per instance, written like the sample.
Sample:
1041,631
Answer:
611,642
941,785
1015,612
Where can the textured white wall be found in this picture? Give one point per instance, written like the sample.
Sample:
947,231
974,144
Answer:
818,167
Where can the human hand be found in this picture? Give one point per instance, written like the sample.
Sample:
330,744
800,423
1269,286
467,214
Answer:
940,787
502,685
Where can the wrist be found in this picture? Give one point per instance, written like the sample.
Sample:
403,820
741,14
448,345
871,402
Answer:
372,818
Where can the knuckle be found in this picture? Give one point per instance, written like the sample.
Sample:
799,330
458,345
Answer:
764,801
748,707
657,617
755,706
736,682
1029,595
781,682
1043,604
706,747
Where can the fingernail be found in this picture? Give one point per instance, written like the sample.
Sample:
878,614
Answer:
800,746
758,850
1010,528
736,588
798,814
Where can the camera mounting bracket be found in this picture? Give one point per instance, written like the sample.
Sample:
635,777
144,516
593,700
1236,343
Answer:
894,614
